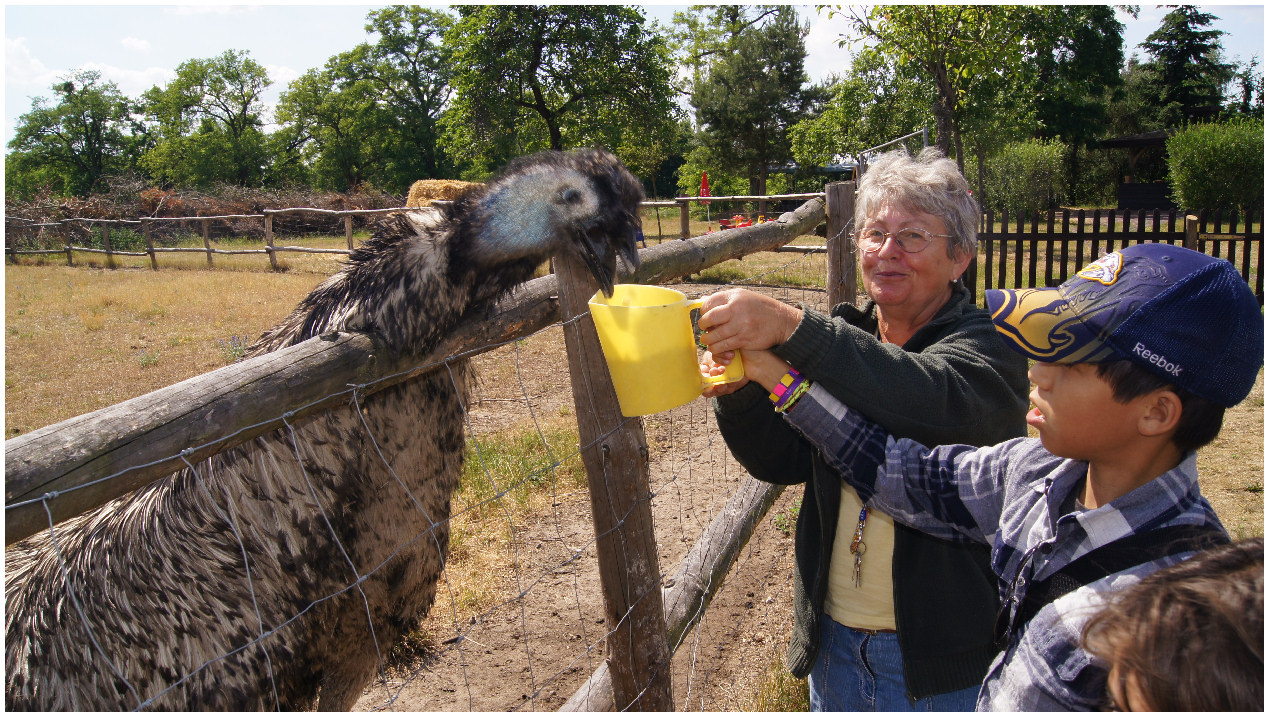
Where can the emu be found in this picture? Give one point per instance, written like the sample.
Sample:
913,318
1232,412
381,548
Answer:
259,580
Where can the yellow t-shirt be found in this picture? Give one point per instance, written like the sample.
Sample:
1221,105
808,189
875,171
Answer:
871,605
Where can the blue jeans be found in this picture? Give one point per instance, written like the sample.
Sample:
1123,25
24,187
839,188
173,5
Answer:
858,672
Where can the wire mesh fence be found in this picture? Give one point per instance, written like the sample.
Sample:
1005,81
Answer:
517,621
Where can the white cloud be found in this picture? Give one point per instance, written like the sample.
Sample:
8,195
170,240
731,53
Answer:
281,75
22,69
137,44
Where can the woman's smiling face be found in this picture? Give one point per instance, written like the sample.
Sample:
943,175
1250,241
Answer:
909,284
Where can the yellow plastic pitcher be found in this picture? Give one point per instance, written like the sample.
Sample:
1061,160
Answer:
646,334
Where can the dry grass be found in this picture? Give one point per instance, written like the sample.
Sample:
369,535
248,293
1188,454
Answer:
80,339
507,477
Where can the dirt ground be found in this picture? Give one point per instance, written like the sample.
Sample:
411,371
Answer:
545,638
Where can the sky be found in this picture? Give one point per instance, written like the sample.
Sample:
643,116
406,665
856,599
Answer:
139,46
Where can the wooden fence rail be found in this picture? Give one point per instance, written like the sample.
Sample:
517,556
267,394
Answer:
61,470
16,227
209,413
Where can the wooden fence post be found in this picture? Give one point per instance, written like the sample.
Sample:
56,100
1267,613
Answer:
268,239
348,230
207,239
146,229
11,239
615,453
1191,232
685,229
839,202
105,241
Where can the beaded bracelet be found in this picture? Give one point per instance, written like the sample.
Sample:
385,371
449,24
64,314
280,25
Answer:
790,388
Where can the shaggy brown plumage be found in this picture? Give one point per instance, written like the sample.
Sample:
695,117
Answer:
259,581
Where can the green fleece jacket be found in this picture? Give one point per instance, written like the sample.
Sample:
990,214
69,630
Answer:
955,381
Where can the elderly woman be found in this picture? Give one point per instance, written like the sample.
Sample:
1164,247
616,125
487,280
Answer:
886,618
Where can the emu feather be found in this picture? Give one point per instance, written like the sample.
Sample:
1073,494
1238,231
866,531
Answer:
276,574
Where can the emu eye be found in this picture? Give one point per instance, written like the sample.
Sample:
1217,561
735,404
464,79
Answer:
570,196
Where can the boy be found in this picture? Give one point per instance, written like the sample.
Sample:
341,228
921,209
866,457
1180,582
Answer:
1140,353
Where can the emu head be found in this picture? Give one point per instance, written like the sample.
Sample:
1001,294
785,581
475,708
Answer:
583,202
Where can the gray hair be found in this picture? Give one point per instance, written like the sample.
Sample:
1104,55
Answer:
929,183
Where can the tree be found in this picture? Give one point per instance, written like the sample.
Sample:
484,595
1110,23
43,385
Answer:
752,96
956,47
1079,50
704,34
72,143
207,123
1247,91
411,68
874,103
553,77
328,121
1188,71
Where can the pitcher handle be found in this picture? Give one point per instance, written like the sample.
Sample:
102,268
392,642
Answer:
734,371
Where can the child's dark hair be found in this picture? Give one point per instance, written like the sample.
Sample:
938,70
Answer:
1190,636
1201,419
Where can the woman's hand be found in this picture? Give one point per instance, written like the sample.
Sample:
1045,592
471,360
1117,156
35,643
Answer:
741,319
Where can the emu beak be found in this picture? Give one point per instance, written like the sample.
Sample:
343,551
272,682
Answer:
600,256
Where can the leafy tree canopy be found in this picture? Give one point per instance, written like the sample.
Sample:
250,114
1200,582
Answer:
70,143
207,124
1188,73
553,77
752,96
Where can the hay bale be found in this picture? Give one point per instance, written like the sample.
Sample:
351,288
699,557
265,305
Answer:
424,191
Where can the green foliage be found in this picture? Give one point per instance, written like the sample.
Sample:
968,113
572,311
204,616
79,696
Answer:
1247,96
528,78
1218,165
71,144
207,124
1079,53
1188,73
1094,176
962,50
786,520
752,95
1026,176
874,103
721,182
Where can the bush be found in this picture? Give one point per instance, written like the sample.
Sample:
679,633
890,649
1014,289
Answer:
1218,165
1027,176
1094,181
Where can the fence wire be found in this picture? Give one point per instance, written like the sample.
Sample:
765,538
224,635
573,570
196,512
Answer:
518,619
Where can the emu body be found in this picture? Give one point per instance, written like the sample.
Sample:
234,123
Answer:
278,574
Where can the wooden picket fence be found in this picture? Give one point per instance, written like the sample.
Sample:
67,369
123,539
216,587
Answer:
1044,250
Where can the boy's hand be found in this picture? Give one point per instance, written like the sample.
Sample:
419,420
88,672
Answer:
763,367
741,319
712,365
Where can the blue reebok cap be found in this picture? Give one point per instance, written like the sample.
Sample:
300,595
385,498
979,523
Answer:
1185,316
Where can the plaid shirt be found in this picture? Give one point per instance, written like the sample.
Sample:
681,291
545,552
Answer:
1010,496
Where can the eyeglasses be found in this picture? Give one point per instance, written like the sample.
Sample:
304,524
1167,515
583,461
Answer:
910,239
